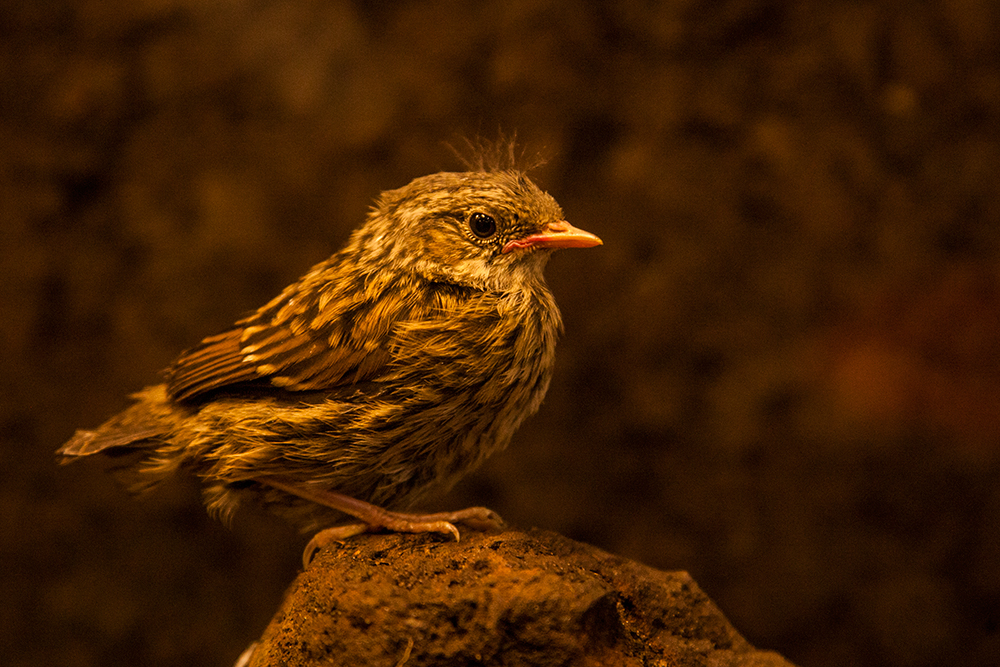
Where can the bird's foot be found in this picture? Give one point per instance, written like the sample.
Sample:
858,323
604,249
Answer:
374,518
477,518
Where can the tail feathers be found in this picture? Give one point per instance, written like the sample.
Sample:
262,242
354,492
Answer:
142,426
84,443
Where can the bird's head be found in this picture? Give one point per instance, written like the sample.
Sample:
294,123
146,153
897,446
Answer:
484,229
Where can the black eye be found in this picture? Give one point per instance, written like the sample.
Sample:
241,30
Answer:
482,225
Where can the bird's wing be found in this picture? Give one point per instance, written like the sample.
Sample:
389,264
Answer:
319,334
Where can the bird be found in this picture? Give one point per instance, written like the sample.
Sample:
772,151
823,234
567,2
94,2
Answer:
386,372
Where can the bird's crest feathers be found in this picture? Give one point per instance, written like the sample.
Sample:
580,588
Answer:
501,154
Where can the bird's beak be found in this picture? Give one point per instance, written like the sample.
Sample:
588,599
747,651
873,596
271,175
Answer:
558,234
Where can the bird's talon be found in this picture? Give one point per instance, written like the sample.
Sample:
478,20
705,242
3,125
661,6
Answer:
309,553
325,537
450,527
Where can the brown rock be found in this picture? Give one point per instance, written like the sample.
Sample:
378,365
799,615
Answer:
516,598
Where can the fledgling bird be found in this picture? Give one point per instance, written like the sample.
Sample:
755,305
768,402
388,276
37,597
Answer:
390,369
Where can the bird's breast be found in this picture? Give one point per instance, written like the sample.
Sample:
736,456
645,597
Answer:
489,344
467,380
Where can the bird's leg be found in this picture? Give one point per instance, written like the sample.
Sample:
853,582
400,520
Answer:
373,517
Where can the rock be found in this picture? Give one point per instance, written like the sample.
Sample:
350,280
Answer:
514,598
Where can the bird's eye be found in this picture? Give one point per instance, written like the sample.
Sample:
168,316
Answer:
482,225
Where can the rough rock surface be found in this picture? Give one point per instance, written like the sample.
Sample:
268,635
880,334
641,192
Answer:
516,598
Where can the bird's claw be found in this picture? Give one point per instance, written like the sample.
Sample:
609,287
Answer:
477,518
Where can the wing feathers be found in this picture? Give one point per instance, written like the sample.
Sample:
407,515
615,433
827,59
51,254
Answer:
215,363
314,337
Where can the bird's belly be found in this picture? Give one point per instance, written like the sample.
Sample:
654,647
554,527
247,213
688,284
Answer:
443,430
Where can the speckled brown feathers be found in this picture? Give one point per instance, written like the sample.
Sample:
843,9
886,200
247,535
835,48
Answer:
388,370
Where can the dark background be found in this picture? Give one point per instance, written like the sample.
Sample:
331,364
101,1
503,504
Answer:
781,372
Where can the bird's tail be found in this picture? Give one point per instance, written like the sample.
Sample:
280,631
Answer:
84,443
138,427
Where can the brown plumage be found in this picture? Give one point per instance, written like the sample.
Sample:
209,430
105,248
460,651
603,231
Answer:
390,369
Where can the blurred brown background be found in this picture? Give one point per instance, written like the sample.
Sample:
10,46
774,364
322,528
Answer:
781,373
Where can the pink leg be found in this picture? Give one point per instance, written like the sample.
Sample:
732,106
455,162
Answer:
373,517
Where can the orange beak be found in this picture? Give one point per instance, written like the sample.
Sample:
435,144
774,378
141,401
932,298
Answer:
559,234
